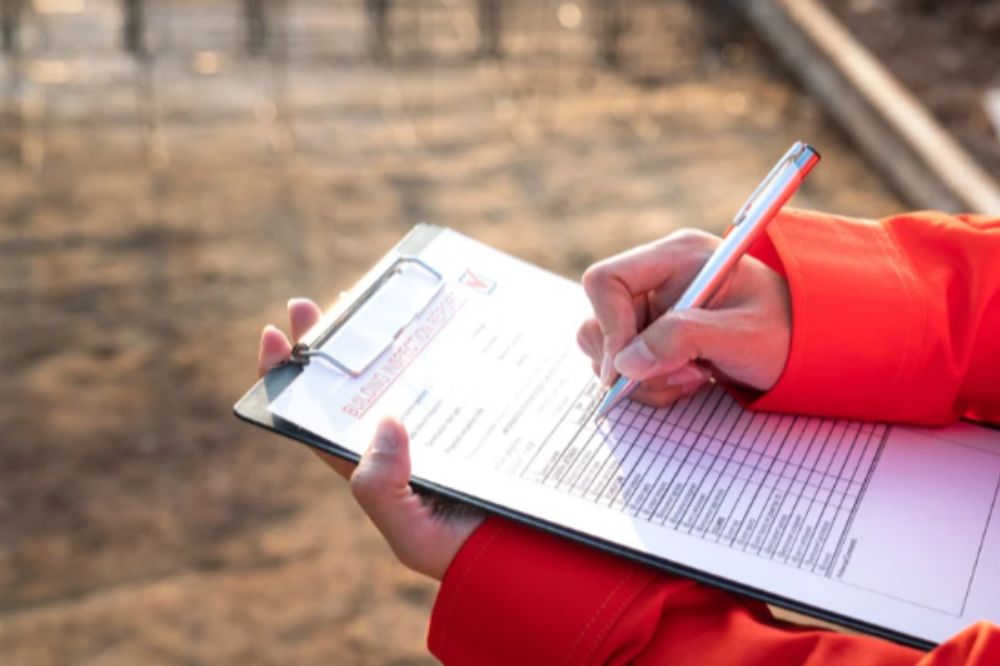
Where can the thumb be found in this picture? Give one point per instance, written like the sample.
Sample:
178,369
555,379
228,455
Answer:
674,340
381,480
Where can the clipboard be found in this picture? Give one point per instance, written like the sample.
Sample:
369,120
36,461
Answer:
405,258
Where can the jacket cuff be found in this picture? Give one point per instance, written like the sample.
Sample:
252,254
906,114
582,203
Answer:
507,577
858,316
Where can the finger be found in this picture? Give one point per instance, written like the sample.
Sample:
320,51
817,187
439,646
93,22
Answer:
612,284
656,396
302,315
590,339
274,349
662,299
689,390
612,300
643,313
662,382
677,339
659,396
421,540
692,373
380,482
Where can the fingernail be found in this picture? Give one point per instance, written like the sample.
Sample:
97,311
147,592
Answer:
385,440
636,359
294,301
686,375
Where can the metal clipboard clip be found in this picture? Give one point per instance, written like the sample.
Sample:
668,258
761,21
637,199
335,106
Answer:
367,328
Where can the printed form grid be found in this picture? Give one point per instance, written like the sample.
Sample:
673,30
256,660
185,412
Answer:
777,486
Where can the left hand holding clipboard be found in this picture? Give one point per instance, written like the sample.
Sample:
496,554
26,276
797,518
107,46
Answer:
422,539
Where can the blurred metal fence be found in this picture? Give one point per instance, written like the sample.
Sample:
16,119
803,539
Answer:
145,62
262,20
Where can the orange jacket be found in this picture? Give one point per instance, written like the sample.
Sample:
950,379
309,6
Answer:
896,320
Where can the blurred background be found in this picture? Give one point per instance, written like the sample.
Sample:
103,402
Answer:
172,171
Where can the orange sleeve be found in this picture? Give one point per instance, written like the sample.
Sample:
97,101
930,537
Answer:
892,320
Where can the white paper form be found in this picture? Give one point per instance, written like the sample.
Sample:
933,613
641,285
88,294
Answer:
894,526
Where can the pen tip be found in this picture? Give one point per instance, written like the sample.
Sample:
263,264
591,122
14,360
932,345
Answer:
605,405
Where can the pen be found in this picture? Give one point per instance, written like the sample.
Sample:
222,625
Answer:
765,202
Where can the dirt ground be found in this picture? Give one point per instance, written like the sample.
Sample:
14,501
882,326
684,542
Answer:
155,213
947,53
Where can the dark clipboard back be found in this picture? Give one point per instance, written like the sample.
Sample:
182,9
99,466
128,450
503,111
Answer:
253,408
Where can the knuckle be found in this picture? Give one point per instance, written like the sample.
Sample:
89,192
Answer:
596,277
695,239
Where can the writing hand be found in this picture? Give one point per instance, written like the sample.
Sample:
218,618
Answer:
742,337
